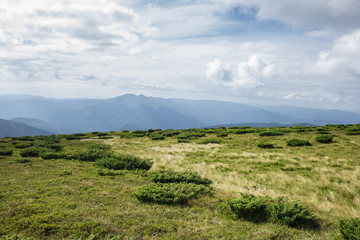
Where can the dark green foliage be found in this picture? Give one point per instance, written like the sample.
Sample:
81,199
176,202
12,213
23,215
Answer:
5,152
170,176
108,172
298,129
266,145
90,155
101,134
53,155
293,214
325,138
251,208
183,140
211,140
350,228
170,193
51,146
127,162
72,137
271,133
189,135
222,134
31,152
24,138
353,130
298,142
24,145
156,136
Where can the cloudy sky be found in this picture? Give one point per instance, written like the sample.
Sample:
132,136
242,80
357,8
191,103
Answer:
304,53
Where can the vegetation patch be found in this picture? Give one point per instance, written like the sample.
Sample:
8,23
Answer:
6,152
156,136
31,152
325,138
170,193
170,176
124,161
271,133
24,145
53,155
90,155
211,140
297,143
266,145
350,228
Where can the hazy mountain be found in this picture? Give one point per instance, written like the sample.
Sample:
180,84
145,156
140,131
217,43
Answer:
14,129
140,112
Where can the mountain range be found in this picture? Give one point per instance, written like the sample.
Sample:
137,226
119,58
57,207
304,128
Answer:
133,112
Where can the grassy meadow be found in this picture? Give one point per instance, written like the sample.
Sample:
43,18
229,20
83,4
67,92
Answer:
54,187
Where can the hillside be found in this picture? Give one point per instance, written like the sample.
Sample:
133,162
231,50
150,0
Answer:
132,112
14,129
114,185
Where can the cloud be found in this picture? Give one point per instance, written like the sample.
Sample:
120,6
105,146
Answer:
342,58
245,74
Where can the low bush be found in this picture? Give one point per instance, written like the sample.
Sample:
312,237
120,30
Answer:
90,155
6,152
121,162
189,135
251,208
72,137
298,143
31,152
53,155
222,134
211,140
325,138
353,130
156,136
266,145
170,193
350,228
24,145
108,172
293,214
271,133
170,176
51,146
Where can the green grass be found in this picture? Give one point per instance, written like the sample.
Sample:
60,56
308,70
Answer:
73,199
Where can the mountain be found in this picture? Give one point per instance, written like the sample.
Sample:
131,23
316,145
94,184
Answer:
14,129
134,112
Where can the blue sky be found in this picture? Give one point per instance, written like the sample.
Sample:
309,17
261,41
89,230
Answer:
304,53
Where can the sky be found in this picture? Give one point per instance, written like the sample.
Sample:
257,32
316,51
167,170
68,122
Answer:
259,52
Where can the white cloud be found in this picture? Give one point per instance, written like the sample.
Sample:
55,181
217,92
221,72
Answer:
245,74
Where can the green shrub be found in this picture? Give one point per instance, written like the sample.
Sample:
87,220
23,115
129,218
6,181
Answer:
65,173
72,137
353,130
24,145
293,214
266,145
183,140
51,146
53,155
170,193
170,176
211,140
325,138
31,152
190,135
271,133
127,162
298,142
108,172
5,152
22,160
156,136
90,155
251,208
350,228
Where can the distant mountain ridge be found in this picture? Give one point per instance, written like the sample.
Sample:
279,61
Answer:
133,112
14,129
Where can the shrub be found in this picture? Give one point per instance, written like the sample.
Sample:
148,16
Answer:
189,135
127,162
22,160
90,155
211,140
24,145
183,140
65,173
293,214
170,176
266,145
251,208
156,136
271,133
30,152
170,193
350,228
5,152
353,130
72,137
325,139
53,155
222,134
298,142
52,146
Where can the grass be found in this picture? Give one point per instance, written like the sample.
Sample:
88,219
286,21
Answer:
72,199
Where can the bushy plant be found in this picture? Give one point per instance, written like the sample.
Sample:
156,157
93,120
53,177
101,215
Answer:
170,193
325,138
189,135
170,176
72,137
350,228
90,155
353,130
22,160
292,214
297,142
123,161
31,152
266,145
211,140
53,155
222,134
251,208
271,133
5,152
156,136
24,145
